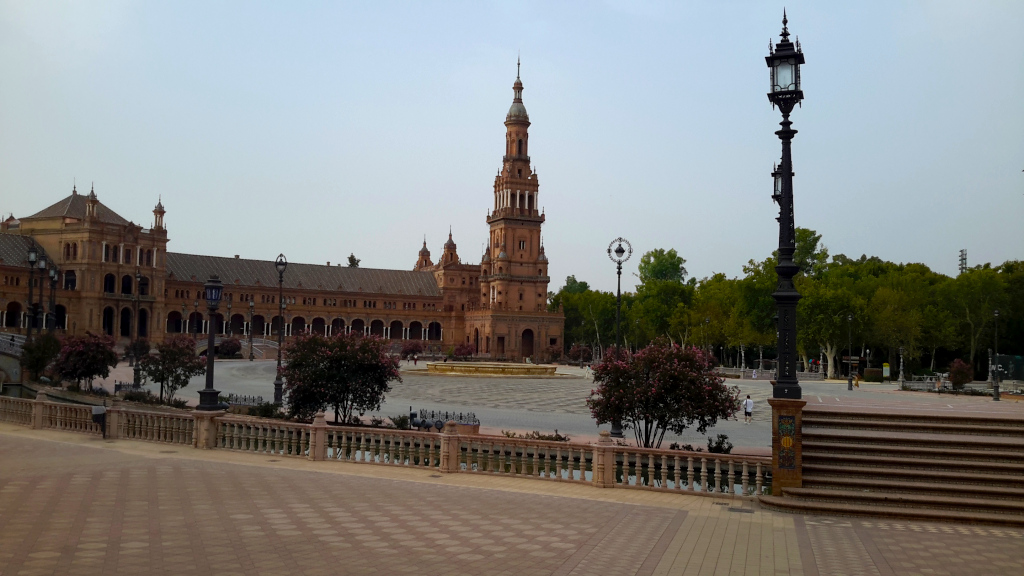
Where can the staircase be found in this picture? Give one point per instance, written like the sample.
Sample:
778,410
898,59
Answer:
925,467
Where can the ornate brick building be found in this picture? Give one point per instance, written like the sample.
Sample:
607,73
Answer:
118,278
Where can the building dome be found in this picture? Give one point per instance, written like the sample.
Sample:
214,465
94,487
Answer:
486,258
517,112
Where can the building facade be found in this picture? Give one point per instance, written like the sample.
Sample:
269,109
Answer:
116,277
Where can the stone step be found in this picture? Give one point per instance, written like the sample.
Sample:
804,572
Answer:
934,417
844,509
885,423
887,439
816,447
900,474
885,485
906,500
919,463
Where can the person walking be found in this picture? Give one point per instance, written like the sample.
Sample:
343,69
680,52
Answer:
748,410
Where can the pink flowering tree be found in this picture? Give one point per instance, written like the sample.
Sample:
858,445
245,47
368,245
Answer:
173,365
663,387
85,358
349,373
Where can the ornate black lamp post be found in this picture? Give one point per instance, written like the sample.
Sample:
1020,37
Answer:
784,62
281,264
33,257
195,325
622,251
208,397
995,384
901,367
51,317
252,307
227,323
849,353
184,320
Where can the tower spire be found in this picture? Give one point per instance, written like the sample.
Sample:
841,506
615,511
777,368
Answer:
785,28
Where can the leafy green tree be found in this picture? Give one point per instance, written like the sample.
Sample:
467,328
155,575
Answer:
349,373
663,387
39,353
974,296
86,358
572,286
173,365
822,317
809,256
353,262
659,264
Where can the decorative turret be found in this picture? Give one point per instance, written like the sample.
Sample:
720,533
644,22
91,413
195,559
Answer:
424,259
91,201
158,214
450,255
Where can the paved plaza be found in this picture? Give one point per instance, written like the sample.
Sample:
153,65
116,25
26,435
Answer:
78,504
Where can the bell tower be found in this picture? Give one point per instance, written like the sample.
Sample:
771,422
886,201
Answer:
518,270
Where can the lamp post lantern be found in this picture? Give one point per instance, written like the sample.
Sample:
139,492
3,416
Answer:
849,352
995,384
619,254
208,397
281,264
784,62
252,307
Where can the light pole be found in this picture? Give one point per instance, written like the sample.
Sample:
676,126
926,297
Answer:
901,367
184,319
784,62
995,385
33,257
227,324
281,264
252,306
195,327
621,253
51,317
849,353
134,332
208,397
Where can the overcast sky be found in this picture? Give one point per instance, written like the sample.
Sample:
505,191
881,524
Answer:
320,129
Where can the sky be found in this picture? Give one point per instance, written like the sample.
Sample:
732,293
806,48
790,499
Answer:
323,129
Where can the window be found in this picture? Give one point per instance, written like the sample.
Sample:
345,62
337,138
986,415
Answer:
519,151
522,244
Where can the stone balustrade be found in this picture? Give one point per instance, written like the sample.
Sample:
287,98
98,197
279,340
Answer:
603,464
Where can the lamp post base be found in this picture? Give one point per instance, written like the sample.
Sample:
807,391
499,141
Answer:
849,382
995,391
209,399
278,391
616,429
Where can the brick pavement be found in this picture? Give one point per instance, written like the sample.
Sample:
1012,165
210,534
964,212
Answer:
76,504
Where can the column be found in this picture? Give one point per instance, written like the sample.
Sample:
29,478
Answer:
787,440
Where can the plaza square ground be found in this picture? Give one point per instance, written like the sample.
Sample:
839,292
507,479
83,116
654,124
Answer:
77,504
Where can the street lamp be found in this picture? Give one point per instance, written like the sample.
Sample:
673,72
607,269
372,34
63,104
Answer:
995,385
33,256
621,253
281,264
184,319
252,307
849,353
901,368
208,397
227,323
784,62
135,319
195,327
51,318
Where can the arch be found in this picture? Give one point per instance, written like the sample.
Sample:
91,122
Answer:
319,326
109,283
12,318
476,339
358,326
70,280
144,286
108,321
259,325
276,324
126,284
415,331
175,323
237,324
395,330
298,325
126,323
377,328
529,202
527,347
143,328
338,326
434,331
195,323
60,317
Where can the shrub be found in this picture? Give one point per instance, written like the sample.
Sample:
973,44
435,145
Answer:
960,373
580,353
138,349
720,445
401,422
535,435
39,353
140,396
684,447
465,350
229,348
872,374
266,410
555,353
410,348
86,357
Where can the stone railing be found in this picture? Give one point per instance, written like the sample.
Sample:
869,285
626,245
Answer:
169,428
602,464
16,410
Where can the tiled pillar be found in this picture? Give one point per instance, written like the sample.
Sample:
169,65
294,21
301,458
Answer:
787,439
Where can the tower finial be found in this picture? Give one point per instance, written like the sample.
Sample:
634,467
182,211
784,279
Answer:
517,66
785,28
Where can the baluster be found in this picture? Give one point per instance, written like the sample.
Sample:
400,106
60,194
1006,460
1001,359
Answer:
423,452
759,479
403,453
664,471
362,447
536,461
343,449
730,481
501,459
676,473
296,442
391,449
572,463
689,473
745,483
718,475
703,474
651,470
547,462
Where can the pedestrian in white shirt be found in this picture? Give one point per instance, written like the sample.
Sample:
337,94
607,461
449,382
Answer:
748,410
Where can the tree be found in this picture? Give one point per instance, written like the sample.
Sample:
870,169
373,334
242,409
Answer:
229,347
348,373
960,373
465,350
139,348
86,357
661,265
173,365
974,295
411,348
39,353
808,257
663,387
572,286
353,262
